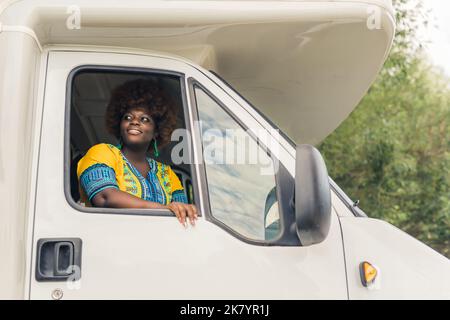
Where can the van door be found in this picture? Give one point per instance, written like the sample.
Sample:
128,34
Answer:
231,253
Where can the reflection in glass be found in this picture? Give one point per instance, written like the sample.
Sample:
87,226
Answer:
240,174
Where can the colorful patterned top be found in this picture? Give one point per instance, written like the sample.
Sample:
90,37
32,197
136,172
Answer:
104,166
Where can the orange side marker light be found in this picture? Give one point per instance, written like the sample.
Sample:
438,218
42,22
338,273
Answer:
368,273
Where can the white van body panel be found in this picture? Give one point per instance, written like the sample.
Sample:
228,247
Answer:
307,59
407,269
130,256
19,124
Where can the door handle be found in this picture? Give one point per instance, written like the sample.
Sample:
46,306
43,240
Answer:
58,259
63,258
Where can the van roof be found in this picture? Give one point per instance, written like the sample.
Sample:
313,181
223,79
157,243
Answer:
304,64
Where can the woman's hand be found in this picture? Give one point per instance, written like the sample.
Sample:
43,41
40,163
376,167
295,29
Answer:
183,210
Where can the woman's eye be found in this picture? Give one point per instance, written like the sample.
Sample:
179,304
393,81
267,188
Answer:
145,119
127,117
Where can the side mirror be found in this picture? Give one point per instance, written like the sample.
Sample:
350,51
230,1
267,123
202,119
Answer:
312,196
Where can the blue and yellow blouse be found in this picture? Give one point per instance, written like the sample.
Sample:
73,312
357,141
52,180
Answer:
104,166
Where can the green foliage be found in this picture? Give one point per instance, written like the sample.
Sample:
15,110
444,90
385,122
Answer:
393,152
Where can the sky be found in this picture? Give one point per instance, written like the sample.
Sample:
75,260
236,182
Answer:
439,33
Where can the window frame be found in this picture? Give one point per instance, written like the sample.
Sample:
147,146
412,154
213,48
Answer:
67,132
284,182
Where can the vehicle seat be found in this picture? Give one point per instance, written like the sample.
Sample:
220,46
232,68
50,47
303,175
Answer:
74,189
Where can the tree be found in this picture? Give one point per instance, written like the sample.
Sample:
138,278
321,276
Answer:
393,152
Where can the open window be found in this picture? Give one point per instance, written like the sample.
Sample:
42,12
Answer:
90,89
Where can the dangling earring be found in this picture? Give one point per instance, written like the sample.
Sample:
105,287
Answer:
120,143
155,149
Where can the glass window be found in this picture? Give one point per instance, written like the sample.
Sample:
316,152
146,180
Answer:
91,92
240,174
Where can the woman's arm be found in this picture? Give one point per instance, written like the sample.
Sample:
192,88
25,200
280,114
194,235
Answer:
114,198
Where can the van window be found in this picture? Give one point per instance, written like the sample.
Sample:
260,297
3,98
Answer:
91,90
239,173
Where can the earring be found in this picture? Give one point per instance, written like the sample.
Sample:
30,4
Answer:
155,149
120,143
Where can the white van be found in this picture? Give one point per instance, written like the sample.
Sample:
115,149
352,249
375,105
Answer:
302,67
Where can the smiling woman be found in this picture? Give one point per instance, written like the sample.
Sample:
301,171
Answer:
141,115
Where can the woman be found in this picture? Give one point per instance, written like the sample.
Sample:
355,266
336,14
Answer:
141,115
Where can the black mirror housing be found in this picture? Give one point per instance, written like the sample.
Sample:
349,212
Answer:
312,196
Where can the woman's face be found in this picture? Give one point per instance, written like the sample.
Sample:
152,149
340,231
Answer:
137,127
